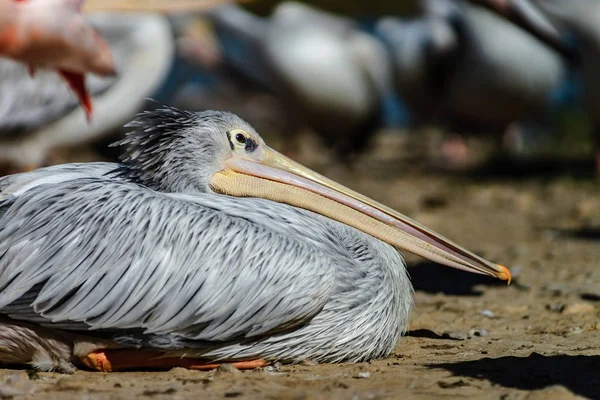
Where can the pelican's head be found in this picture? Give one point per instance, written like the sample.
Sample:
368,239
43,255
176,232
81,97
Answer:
180,151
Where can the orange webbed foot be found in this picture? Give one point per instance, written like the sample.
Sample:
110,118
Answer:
126,359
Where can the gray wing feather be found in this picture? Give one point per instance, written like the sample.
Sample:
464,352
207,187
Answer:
115,255
16,184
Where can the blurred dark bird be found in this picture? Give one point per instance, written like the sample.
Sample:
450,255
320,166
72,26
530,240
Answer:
38,114
54,34
468,69
330,75
579,25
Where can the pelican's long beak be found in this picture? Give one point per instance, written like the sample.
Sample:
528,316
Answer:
275,177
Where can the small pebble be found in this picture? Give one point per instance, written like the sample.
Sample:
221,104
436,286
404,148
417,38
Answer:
555,307
227,369
574,331
275,367
487,313
363,375
478,332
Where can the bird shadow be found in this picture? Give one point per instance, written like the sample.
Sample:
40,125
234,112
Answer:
583,233
424,333
429,334
578,373
433,278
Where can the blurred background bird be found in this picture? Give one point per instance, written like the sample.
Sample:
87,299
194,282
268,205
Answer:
53,34
357,76
578,26
39,113
464,67
330,75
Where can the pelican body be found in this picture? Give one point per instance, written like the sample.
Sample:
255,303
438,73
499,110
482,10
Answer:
577,21
465,66
202,246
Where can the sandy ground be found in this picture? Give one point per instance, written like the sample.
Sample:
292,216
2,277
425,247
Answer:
470,337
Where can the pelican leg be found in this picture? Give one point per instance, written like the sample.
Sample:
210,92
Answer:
252,364
126,359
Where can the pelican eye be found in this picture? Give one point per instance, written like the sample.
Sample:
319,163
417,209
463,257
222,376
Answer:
240,138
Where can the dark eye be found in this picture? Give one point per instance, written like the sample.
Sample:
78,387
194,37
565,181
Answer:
241,139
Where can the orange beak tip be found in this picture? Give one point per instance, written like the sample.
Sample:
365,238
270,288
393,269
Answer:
505,274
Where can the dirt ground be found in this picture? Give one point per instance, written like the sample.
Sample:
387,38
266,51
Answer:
470,336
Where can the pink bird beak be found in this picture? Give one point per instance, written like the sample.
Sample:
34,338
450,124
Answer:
54,34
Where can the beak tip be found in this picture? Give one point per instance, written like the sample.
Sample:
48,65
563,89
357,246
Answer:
504,274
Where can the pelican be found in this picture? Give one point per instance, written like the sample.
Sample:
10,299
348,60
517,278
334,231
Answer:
465,67
203,246
331,75
39,114
578,20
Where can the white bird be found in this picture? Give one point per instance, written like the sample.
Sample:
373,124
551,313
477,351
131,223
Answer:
40,114
464,67
580,21
329,74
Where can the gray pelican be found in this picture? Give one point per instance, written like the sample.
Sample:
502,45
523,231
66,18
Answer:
581,21
469,69
40,114
204,246
331,75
